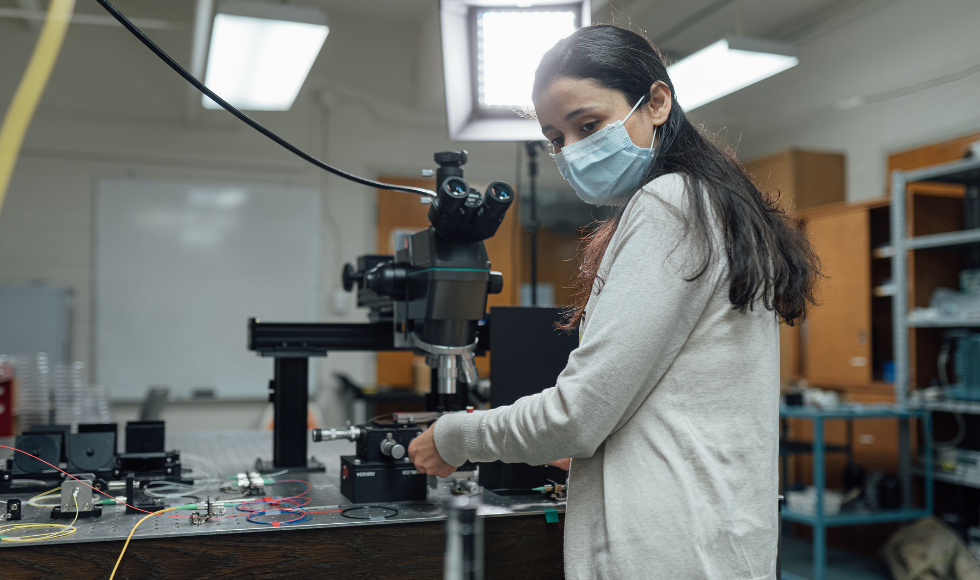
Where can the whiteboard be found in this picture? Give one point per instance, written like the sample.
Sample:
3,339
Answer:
180,268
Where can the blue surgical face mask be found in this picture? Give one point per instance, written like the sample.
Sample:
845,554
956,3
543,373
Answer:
606,166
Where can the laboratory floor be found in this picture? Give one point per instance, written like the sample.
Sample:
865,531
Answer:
841,564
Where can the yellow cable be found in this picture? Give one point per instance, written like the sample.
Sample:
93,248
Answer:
33,500
31,88
133,531
62,532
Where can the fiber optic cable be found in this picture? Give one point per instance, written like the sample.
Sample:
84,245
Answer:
63,530
33,501
130,537
84,483
31,87
294,500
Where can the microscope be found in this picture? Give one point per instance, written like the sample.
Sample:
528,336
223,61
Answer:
430,298
433,292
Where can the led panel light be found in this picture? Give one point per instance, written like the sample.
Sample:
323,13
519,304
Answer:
490,50
260,53
726,66
510,45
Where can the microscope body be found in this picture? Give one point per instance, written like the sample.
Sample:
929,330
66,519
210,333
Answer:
434,290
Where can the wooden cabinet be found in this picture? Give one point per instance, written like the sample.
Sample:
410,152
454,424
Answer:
846,339
838,344
802,179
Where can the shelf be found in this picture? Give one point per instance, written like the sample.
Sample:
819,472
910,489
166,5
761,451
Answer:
946,240
942,323
856,518
968,407
948,477
852,411
962,172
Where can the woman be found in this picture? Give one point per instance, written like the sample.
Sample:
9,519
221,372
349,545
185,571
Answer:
669,407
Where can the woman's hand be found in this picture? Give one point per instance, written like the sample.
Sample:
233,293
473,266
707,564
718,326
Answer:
423,453
562,464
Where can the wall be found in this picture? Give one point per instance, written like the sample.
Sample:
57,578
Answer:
887,81
112,110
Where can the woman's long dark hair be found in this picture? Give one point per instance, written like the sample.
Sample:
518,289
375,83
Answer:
769,257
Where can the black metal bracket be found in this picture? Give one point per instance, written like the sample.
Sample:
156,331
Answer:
292,344
306,339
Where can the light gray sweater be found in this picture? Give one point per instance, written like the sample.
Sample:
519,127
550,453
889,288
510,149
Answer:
669,409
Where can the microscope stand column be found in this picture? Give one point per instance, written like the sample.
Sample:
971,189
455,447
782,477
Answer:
289,395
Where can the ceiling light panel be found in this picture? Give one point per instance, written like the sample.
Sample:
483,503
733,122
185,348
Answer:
726,66
261,54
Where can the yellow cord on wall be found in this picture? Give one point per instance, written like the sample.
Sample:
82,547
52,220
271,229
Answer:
31,87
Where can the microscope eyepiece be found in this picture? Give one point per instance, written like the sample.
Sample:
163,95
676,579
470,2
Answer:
452,196
500,192
496,201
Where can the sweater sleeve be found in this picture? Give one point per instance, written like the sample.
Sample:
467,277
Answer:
637,324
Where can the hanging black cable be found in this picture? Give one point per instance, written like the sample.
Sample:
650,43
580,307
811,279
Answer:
245,118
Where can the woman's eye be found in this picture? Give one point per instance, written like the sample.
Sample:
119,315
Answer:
589,126
558,142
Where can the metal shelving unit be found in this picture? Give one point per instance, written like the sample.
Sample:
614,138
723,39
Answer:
963,172
958,172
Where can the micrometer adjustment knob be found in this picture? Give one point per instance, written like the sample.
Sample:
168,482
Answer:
392,448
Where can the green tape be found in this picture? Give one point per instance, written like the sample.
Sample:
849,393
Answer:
551,515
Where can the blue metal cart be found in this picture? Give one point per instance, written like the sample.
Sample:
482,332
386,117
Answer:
821,522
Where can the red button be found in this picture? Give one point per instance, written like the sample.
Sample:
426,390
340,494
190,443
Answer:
469,409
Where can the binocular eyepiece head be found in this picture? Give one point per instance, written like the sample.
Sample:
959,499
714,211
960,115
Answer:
461,214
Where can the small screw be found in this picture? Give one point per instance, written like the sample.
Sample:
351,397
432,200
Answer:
169,471
14,507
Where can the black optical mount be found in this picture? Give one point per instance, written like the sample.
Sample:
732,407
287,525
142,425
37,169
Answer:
430,297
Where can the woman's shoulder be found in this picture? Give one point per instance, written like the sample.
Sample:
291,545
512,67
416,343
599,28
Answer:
665,195
670,189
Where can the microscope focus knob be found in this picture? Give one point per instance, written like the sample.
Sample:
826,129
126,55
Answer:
351,276
392,448
496,284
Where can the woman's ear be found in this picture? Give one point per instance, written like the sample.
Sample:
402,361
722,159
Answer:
659,103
